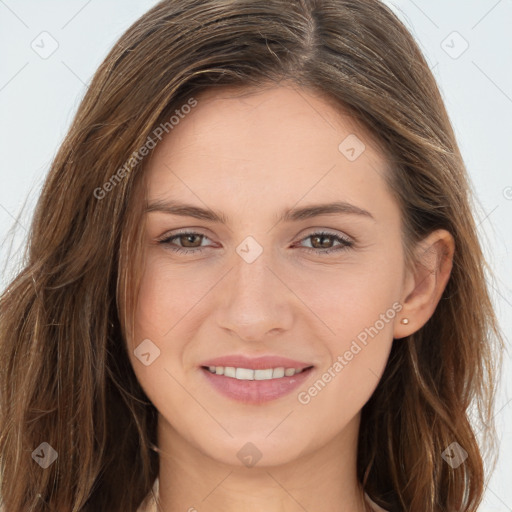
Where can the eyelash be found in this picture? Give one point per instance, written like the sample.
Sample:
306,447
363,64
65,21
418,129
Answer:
345,243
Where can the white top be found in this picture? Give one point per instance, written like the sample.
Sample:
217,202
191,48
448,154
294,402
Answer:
151,504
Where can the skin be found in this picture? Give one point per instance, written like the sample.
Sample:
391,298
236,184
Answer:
251,155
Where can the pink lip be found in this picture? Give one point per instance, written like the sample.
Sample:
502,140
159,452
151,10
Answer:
256,391
256,363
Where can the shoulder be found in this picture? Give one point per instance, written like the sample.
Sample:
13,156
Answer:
149,504
149,507
374,505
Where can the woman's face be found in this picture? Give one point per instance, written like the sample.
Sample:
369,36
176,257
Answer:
275,272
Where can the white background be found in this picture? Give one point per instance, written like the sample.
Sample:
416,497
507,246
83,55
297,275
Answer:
38,98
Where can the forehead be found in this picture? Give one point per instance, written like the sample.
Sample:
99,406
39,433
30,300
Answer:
280,143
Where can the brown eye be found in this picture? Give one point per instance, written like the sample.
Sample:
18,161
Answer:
186,242
190,240
324,243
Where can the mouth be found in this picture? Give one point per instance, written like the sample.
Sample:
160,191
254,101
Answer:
255,386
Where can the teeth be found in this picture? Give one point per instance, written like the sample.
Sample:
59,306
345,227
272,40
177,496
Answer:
244,374
229,371
264,374
248,374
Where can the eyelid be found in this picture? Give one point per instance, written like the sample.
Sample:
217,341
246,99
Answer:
325,231
175,234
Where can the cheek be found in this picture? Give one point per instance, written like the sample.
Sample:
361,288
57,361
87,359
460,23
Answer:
356,358
352,296
167,296
358,306
166,314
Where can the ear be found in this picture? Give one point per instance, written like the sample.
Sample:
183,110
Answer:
425,282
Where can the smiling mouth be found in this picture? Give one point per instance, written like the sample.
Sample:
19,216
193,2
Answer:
260,374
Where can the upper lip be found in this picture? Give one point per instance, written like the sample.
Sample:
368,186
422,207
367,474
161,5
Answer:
256,363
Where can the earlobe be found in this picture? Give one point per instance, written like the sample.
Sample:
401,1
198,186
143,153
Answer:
425,283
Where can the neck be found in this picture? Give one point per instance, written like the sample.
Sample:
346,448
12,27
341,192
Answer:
190,480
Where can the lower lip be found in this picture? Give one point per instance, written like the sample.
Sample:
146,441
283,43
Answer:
255,391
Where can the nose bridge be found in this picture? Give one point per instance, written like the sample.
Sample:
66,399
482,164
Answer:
252,273
254,278
254,284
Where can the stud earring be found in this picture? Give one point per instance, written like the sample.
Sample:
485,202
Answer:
404,321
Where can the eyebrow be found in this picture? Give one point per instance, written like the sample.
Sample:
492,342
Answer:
289,215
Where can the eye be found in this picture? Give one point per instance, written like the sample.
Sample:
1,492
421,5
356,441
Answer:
191,242
321,242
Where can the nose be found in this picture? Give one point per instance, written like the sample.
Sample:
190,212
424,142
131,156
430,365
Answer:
255,302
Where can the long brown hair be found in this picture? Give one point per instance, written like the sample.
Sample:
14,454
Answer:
65,375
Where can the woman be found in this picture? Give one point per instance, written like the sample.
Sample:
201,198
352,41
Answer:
253,279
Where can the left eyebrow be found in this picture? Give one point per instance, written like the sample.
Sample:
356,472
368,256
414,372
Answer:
289,215
314,210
